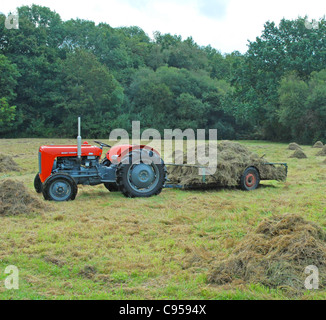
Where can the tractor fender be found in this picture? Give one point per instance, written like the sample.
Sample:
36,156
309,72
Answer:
119,152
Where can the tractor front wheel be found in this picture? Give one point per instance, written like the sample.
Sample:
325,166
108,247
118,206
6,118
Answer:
38,184
60,187
250,179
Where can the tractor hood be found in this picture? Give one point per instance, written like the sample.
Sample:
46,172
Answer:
65,151
48,154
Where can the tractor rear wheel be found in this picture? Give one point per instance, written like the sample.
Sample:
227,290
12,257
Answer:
142,178
60,187
250,179
38,184
112,187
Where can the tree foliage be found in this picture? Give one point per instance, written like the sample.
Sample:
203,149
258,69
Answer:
8,82
303,106
52,71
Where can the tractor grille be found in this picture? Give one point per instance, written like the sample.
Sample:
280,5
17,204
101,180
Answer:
40,162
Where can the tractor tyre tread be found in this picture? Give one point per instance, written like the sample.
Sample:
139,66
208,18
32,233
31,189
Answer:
112,186
38,183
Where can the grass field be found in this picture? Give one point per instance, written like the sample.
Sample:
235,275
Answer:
105,246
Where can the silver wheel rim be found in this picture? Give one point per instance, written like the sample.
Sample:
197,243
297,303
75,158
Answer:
60,190
146,183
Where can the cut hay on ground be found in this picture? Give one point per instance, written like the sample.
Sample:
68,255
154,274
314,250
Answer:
318,144
276,254
294,146
7,164
322,152
299,154
232,160
15,199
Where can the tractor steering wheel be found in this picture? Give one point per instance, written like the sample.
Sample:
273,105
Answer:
103,144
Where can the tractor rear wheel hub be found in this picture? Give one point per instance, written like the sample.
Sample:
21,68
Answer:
142,175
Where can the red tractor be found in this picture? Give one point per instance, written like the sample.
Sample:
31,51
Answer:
136,171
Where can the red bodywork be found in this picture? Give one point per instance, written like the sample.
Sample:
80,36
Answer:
124,149
48,154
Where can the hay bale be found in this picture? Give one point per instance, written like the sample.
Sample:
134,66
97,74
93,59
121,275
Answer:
299,154
15,199
294,146
7,164
276,254
318,144
322,152
271,172
232,159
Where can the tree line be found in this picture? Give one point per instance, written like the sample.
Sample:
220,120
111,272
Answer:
52,71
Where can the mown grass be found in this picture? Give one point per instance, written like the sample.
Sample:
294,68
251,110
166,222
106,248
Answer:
104,246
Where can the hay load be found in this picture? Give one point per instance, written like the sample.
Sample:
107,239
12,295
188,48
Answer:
15,199
232,160
322,152
294,146
276,254
318,144
7,164
299,154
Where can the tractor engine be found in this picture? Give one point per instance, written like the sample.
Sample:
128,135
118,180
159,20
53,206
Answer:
69,163
86,171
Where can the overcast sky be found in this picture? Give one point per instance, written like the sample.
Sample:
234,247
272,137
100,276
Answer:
224,24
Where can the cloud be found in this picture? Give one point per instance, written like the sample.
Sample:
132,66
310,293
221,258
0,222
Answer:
215,9
139,4
225,24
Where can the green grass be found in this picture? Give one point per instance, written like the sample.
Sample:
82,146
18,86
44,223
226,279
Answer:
158,248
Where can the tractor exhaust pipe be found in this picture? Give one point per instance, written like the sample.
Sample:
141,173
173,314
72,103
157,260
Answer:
79,141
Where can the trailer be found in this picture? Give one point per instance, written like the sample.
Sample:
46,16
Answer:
249,179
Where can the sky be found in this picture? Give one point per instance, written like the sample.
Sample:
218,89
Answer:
226,25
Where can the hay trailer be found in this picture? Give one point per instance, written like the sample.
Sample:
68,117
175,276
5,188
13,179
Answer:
248,180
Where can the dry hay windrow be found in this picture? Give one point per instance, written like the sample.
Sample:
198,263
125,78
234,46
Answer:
15,199
7,164
294,146
322,152
318,144
299,154
232,160
276,255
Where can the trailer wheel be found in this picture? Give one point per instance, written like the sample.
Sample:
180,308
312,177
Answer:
140,179
112,187
250,179
37,184
60,187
